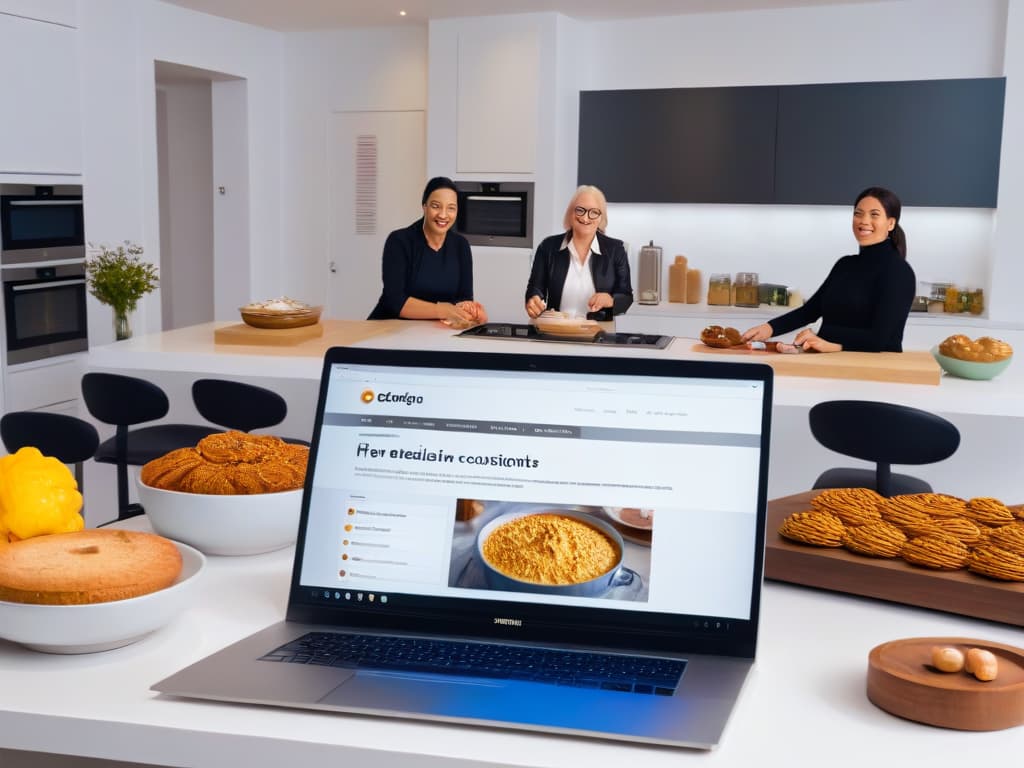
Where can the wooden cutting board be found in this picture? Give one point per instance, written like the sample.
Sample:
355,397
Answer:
240,333
895,580
917,367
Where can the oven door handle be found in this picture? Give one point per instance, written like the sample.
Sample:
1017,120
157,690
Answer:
44,286
26,203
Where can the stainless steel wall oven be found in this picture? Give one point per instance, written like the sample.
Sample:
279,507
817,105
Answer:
42,262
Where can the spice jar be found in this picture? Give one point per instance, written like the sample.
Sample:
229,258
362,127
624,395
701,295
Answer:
977,303
719,288
746,289
952,299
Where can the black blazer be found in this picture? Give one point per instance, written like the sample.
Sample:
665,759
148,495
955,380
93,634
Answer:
609,268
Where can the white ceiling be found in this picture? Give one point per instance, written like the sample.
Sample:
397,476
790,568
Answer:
298,15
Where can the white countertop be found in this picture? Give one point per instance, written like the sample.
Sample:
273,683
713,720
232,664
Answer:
193,349
804,704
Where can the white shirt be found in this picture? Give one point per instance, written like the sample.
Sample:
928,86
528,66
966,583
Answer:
579,281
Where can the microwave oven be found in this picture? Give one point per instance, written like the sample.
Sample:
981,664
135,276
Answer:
496,213
42,221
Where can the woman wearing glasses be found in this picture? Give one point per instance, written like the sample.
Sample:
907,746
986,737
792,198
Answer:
428,270
581,272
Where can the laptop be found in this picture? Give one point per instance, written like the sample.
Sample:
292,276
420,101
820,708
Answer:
566,544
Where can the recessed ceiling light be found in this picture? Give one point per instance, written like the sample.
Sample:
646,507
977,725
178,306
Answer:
401,13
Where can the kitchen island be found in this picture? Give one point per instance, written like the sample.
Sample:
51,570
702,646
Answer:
989,414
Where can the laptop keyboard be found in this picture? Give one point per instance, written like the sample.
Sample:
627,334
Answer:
632,674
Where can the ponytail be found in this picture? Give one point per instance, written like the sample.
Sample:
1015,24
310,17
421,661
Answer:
899,239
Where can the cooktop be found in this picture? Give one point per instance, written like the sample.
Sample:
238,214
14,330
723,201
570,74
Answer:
526,332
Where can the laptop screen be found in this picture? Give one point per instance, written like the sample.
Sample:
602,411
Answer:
537,497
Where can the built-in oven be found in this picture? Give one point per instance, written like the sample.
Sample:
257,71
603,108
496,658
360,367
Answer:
42,263
496,213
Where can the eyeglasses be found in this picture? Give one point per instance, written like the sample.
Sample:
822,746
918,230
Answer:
590,213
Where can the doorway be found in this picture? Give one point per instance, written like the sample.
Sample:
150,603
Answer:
377,163
201,120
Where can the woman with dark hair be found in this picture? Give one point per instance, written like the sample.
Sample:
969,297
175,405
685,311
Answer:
427,270
581,271
864,302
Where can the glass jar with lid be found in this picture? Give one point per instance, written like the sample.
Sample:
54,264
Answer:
746,289
719,289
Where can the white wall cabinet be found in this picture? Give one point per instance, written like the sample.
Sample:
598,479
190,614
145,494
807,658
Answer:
498,91
41,130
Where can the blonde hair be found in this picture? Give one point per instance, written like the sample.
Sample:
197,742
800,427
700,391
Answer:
602,223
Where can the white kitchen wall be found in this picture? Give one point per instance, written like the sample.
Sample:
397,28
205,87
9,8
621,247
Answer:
378,69
119,40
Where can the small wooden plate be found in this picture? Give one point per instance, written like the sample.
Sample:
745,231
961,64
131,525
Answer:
586,329
902,681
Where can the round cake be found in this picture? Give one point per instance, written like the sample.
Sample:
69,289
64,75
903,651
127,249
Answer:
91,566
228,463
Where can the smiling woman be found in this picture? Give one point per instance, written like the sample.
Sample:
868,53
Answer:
864,302
427,270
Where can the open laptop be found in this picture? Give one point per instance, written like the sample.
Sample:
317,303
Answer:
567,544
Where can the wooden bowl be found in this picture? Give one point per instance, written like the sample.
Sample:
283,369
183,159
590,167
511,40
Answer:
902,681
572,327
296,319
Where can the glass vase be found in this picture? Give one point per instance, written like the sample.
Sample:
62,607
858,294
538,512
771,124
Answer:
122,329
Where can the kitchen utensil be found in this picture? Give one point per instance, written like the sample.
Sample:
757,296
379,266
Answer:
277,320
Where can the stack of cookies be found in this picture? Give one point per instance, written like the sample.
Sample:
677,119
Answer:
929,530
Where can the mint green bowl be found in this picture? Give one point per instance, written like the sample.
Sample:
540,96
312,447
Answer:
968,369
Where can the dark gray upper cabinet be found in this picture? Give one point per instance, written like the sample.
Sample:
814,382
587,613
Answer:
933,142
690,145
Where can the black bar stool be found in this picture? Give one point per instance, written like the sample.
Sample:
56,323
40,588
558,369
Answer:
124,401
69,439
241,406
885,434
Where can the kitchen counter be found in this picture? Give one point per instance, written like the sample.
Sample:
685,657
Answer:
989,414
803,704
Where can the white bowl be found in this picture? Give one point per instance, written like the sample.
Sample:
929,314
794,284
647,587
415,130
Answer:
244,524
101,626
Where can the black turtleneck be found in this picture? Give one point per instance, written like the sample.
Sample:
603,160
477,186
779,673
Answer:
863,303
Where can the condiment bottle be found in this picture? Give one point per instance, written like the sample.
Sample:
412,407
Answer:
977,302
952,303
746,289
693,286
677,274
719,287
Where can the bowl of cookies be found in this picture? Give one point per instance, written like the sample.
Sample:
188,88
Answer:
278,313
232,494
981,359
93,590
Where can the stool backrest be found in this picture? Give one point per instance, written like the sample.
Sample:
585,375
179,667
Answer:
123,400
883,432
69,439
237,405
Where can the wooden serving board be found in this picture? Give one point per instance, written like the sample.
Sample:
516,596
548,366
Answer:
962,592
902,681
917,367
240,333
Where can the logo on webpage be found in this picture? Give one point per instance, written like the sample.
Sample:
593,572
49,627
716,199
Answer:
405,397
367,396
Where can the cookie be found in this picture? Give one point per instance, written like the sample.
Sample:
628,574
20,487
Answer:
820,529
939,551
879,539
996,563
854,506
988,511
90,566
